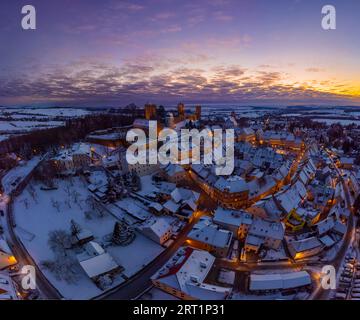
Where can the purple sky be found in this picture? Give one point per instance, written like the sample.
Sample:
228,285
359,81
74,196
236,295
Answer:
90,52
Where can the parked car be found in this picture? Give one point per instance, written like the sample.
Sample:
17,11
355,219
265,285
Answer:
344,279
340,296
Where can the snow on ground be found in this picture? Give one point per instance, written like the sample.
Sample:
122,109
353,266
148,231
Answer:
50,112
15,175
39,216
4,137
343,122
21,126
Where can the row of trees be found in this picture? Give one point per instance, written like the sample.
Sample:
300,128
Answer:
75,129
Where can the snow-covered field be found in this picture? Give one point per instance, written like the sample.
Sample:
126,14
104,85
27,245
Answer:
343,122
36,216
22,126
49,112
23,120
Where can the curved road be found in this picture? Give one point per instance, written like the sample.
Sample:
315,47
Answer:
337,262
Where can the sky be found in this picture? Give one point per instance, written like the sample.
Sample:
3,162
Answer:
113,52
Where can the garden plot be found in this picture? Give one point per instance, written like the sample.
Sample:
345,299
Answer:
38,212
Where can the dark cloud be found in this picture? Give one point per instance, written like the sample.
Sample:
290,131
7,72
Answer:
141,81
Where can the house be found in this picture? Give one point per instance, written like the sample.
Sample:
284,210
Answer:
339,228
7,258
346,163
96,262
79,156
134,208
208,236
175,173
183,203
245,135
302,216
279,281
186,197
325,226
156,208
171,207
157,230
339,212
289,199
184,276
266,208
7,288
266,233
327,241
231,192
238,222
354,183
84,236
304,248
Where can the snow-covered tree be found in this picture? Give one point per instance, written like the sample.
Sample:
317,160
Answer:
122,234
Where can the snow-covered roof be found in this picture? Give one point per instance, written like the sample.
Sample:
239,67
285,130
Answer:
98,265
304,244
187,270
278,281
95,261
340,227
171,206
233,184
327,241
7,287
155,205
157,226
172,169
289,199
325,225
181,194
211,235
346,160
232,217
134,208
267,229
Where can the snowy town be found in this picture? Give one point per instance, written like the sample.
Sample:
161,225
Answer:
94,226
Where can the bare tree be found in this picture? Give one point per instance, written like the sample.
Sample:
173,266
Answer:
55,204
68,203
67,190
26,203
76,195
32,193
59,241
